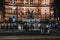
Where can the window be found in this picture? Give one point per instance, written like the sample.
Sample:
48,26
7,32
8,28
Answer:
6,19
45,2
10,1
26,1
21,13
26,13
10,10
1,18
22,0
31,1
6,11
44,10
15,0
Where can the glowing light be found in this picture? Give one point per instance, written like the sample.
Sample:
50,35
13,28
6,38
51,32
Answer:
14,8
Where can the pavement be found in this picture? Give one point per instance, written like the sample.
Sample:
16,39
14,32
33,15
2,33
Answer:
30,33
29,37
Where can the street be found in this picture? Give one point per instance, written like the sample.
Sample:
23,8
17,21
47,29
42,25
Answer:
29,37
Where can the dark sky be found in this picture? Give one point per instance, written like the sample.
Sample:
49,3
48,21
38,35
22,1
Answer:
1,4
57,3
57,8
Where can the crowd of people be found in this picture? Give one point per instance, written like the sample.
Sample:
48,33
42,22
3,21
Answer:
14,25
25,26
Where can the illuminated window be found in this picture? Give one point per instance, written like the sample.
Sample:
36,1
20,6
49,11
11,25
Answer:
45,2
21,13
26,1
10,1
44,10
12,10
17,1
31,1
6,19
1,18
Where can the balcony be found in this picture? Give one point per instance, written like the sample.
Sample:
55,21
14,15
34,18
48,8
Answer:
23,4
29,5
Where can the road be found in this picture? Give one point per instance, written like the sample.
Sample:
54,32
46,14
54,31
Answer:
29,37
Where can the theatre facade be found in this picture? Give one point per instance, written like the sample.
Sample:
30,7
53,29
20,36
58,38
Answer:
17,13
29,9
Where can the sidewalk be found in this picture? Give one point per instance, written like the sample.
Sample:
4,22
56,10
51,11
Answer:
54,32
29,37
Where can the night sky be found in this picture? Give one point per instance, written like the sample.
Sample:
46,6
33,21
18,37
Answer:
56,5
57,8
1,4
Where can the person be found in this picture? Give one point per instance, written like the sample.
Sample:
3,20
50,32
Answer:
39,26
25,27
11,27
19,27
48,27
12,19
35,26
8,26
2,27
43,28
16,26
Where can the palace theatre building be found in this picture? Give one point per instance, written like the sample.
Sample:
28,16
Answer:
29,9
